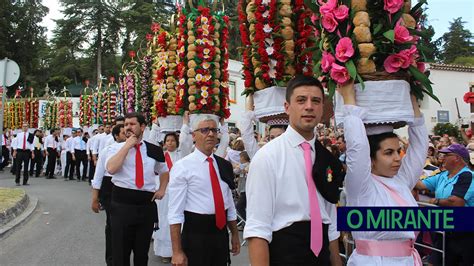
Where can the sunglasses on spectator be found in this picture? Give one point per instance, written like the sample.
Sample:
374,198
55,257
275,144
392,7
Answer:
206,130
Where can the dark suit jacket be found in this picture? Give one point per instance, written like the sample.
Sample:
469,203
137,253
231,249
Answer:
326,162
226,171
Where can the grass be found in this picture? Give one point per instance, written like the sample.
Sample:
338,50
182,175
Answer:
9,197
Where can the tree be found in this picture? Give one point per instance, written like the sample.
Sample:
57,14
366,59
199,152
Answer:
430,47
457,42
23,40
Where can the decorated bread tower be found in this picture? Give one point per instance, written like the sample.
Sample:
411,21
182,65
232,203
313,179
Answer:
64,110
130,77
86,106
202,70
109,107
32,110
278,38
165,77
376,43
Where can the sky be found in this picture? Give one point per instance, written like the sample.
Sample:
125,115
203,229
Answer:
440,13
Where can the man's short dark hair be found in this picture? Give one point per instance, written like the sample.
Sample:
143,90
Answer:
116,131
283,127
140,118
301,80
119,118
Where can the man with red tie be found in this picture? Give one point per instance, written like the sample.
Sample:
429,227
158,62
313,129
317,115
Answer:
23,150
201,207
291,218
133,165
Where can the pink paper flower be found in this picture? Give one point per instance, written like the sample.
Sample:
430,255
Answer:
339,73
394,62
326,61
329,22
392,6
341,12
421,67
402,35
328,7
344,49
411,54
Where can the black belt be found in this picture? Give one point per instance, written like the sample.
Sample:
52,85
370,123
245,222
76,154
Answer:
23,150
131,196
202,223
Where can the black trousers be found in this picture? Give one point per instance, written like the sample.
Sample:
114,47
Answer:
70,166
38,162
22,158
81,157
91,169
132,215
290,246
105,197
5,157
13,170
51,166
203,243
458,249
241,205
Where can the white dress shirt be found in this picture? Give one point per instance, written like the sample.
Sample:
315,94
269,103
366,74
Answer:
101,142
248,136
125,177
69,144
78,144
50,142
276,189
100,169
190,189
38,144
19,143
90,144
363,190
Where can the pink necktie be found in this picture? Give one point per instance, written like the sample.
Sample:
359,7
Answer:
316,221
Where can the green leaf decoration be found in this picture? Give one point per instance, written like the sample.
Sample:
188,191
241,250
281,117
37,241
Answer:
351,68
331,88
361,81
377,28
390,35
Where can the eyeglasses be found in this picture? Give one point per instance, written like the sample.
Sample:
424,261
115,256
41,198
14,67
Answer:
449,154
206,130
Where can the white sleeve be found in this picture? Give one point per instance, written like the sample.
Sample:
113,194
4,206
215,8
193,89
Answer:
161,168
185,141
357,154
231,211
99,172
155,134
177,191
414,160
260,192
95,145
224,142
246,130
333,234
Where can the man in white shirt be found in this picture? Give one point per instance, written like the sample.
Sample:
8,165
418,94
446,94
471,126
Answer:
5,151
89,148
102,190
70,164
22,152
133,165
289,222
100,143
79,155
201,203
39,153
51,144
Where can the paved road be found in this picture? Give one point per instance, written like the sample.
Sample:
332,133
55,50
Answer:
62,230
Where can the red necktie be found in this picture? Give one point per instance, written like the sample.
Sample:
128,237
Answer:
138,167
24,141
169,163
316,242
217,194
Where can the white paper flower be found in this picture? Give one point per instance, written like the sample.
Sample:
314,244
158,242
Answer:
266,14
270,50
267,28
269,41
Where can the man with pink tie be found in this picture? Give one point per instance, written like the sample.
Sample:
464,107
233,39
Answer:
291,218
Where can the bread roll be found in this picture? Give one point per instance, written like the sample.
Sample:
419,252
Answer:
366,49
362,34
359,5
365,66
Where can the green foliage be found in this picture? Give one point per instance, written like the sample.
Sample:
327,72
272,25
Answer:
446,128
464,60
457,42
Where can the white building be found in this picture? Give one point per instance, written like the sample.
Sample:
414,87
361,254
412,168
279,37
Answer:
450,83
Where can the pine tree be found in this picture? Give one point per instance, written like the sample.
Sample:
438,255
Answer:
457,42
